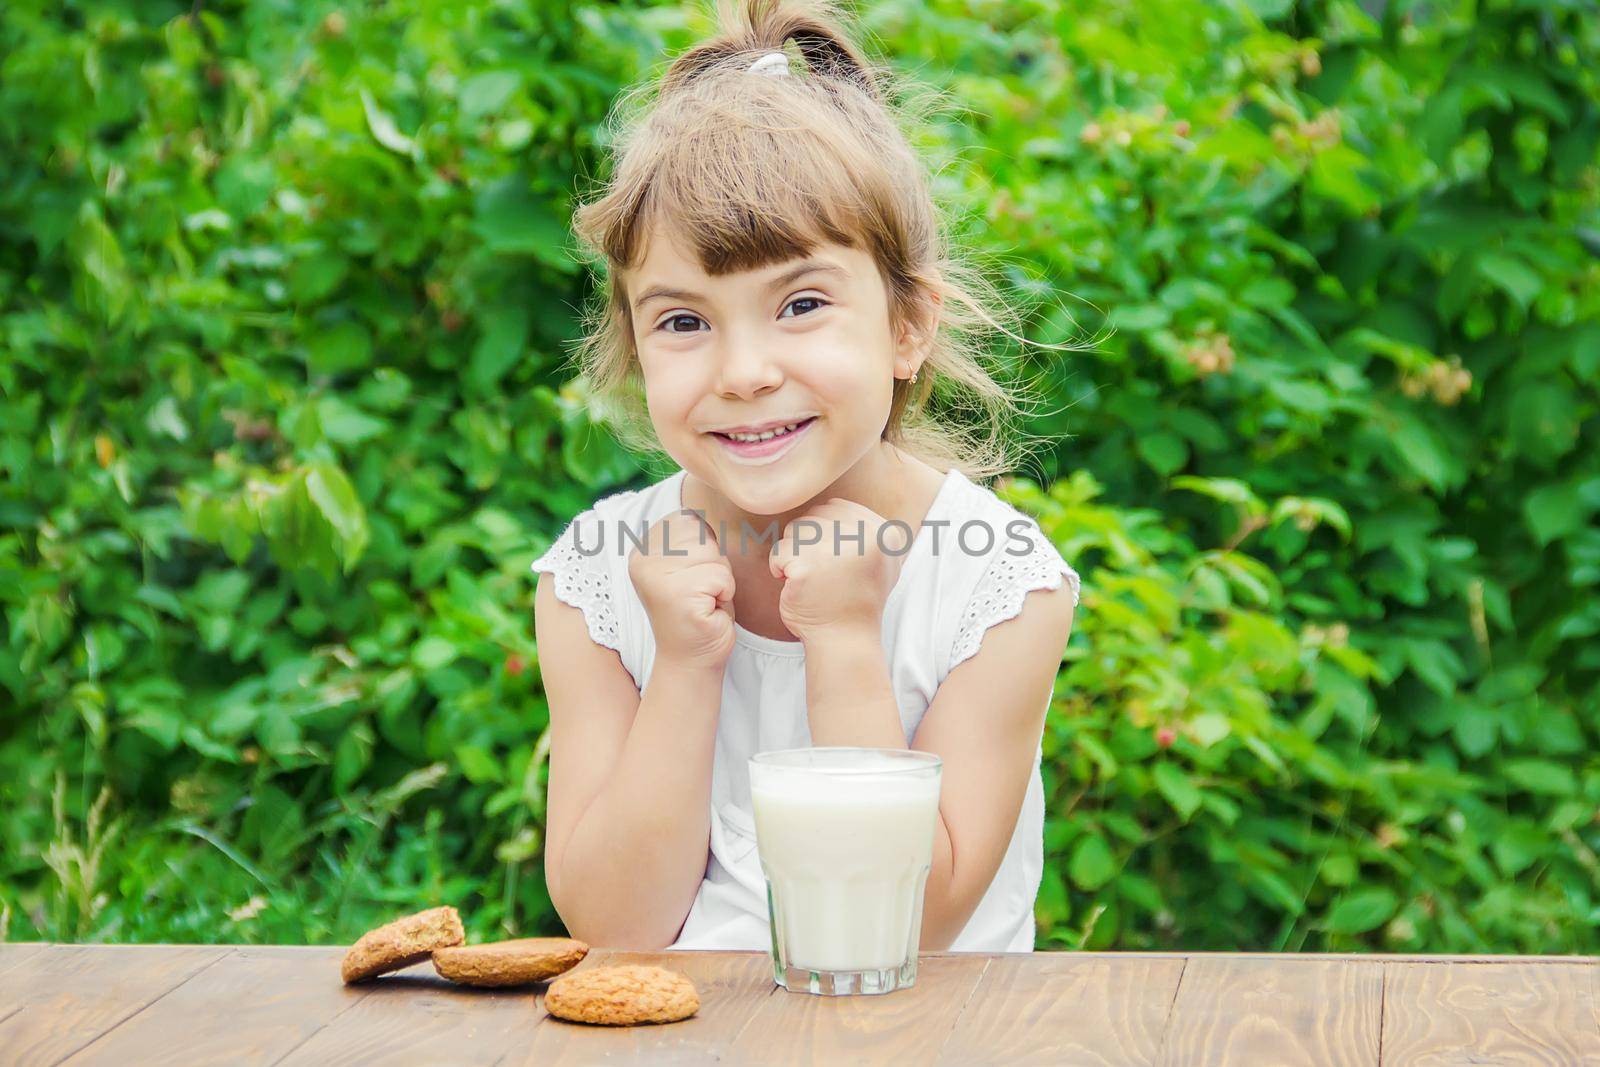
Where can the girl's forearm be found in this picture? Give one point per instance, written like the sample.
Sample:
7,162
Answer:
849,697
636,857
939,926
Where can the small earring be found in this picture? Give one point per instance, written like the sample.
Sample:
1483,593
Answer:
914,376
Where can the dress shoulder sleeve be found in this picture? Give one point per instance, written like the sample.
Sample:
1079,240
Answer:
1026,561
578,562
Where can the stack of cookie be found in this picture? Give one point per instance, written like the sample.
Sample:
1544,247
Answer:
619,995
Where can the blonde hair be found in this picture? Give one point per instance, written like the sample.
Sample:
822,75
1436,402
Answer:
757,170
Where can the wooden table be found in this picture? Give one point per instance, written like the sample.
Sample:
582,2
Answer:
190,1004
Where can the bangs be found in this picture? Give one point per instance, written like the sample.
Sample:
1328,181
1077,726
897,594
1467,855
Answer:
739,228
734,173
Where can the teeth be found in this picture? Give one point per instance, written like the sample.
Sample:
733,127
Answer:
766,436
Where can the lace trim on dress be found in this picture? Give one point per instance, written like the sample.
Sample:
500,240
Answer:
1002,589
583,582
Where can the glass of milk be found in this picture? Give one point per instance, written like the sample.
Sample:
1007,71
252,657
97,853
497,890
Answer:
845,837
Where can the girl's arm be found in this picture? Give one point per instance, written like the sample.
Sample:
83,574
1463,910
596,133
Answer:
628,819
984,723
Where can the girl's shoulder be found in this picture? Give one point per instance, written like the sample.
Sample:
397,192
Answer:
986,528
991,556
587,561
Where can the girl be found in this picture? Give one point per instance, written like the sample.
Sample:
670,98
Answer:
822,570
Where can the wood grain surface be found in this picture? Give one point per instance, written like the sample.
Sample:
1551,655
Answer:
906,1026
1061,1008
253,1008
1542,1013
187,1004
1316,1013
59,1000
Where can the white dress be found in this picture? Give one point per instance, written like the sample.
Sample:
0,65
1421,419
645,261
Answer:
952,587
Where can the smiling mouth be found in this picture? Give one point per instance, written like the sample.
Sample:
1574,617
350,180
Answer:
752,438
764,443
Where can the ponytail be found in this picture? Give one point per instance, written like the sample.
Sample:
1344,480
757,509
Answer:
754,27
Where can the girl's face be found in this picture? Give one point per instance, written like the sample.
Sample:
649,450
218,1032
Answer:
805,342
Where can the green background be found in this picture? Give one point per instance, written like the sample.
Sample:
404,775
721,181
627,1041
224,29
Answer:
285,292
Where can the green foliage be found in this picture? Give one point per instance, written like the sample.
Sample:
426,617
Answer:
284,294
1334,681
282,297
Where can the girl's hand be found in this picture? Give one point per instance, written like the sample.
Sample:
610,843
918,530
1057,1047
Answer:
686,585
836,583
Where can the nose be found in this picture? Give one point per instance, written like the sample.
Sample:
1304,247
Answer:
747,368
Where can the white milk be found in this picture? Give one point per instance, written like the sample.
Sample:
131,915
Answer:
848,856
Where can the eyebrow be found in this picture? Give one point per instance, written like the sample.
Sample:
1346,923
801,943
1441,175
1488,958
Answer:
809,267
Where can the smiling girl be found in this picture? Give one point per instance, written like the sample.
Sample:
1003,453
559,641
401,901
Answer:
824,569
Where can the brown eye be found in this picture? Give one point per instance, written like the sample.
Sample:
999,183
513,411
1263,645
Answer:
668,324
818,301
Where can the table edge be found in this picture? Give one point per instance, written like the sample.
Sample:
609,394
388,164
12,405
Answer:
1176,954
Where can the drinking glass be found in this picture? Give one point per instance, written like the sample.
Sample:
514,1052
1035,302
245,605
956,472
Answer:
845,837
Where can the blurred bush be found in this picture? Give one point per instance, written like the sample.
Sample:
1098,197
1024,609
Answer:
284,290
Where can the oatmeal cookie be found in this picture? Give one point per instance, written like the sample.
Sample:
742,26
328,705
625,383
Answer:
622,995
528,959
402,943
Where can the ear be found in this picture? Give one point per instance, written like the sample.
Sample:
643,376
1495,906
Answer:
918,331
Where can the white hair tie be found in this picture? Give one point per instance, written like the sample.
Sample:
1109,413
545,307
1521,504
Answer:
773,65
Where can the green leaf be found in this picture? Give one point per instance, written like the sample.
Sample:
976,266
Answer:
1227,490
346,424
1513,277
196,739
1209,728
346,346
1268,292
1140,318
104,286
384,131
1519,845
1164,451
244,185
486,92
1436,663
318,275
1339,173
477,764
1278,891
221,591
1542,776
1362,909
1544,421
1271,9
1053,907
1310,397
1475,729
433,652
165,419
1178,788
277,731
1092,863
591,454
159,724
511,220
336,499
505,331
1422,452
1555,511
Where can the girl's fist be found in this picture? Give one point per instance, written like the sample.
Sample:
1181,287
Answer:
838,563
686,585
